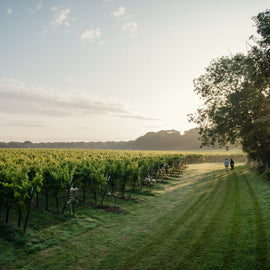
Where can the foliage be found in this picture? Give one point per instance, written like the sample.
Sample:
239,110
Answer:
52,172
235,91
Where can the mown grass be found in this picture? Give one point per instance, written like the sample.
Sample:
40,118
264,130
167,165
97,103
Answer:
205,219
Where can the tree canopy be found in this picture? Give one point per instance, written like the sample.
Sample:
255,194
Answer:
236,97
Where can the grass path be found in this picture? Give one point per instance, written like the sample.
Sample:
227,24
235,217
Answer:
206,219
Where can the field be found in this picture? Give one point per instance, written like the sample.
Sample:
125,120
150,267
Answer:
204,218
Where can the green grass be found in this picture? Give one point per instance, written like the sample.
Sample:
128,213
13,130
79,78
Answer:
205,219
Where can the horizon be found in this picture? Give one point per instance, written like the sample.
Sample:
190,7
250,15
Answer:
110,70
37,142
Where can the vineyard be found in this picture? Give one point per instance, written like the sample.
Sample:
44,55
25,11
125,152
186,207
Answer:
60,179
55,180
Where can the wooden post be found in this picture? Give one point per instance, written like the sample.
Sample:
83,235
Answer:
70,184
28,210
105,191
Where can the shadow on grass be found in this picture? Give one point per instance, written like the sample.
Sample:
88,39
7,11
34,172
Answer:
146,193
14,235
29,242
113,209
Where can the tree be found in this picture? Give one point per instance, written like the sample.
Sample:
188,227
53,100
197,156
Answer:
235,91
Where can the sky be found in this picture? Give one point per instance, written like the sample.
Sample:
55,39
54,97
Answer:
110,70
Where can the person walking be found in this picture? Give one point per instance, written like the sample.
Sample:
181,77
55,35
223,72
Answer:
226,164
232,164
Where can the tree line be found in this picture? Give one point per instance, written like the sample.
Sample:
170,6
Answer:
161,140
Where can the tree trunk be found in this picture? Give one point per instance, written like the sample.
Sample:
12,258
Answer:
83,194
47,201
258,155
95,196
7,214
19,219
37,204
57,204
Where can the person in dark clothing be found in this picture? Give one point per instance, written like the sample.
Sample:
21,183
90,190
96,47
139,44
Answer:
232,164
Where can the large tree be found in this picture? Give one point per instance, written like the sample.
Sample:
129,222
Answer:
235,91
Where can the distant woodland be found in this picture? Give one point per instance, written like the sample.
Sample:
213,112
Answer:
161,140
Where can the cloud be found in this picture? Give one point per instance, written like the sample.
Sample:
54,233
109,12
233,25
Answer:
9,11
27,124
17,98
37,7
61,17
91,35
119,12
137,117
130,27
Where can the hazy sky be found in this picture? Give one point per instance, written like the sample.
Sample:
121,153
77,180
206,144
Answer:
99,70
